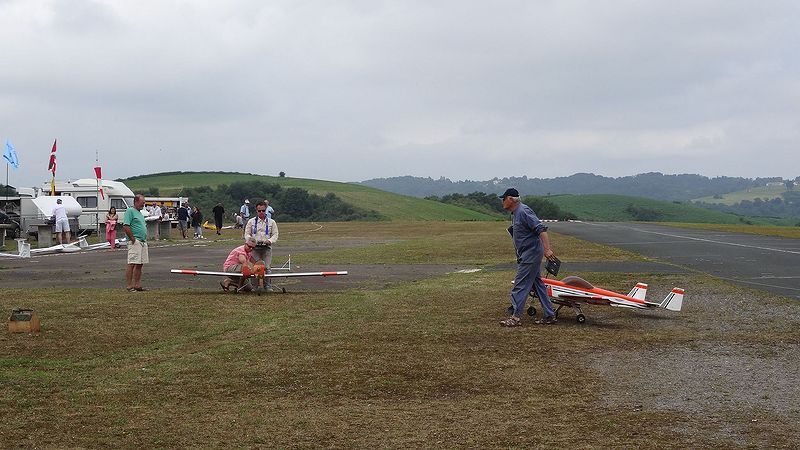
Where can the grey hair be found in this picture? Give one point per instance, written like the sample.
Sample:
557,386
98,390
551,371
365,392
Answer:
515,199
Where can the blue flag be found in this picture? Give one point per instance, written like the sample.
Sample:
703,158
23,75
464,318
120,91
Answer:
10,155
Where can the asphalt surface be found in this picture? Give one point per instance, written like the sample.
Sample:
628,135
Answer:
106,269
762,262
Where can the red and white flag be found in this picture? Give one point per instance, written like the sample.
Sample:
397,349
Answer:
52,166
97,173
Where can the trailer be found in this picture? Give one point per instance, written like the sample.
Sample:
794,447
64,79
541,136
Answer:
94,203
85,192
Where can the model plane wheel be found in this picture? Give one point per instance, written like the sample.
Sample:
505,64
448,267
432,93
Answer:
531,311
580,318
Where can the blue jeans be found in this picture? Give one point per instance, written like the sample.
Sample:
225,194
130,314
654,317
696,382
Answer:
528,277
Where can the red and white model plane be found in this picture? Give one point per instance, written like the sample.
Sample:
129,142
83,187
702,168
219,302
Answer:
246,273
573,291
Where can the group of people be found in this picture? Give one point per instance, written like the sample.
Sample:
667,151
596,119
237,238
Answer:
191,217
255,256
528,232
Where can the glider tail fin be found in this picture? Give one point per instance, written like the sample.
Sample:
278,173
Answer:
639,291
674,300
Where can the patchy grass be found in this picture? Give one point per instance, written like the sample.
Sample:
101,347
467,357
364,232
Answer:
417,364
477,243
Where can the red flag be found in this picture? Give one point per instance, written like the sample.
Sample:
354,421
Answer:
97,172
52,166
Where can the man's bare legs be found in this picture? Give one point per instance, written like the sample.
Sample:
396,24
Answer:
133,276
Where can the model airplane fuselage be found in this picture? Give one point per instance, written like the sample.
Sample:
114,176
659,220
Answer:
573,291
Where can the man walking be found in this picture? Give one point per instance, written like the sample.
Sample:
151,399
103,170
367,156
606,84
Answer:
134,226
219,213
531,242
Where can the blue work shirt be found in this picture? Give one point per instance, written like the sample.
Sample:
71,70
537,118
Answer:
526,228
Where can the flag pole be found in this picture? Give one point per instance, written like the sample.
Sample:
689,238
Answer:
97,194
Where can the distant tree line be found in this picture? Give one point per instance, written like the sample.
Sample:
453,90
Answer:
653,185
290,204
492,205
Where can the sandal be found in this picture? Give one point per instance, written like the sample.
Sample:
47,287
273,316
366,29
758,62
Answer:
130,289
140,289
511,322
224,286
546,321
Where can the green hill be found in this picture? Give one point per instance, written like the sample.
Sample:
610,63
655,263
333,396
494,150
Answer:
390,205
620,208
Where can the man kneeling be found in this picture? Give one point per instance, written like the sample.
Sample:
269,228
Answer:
240,258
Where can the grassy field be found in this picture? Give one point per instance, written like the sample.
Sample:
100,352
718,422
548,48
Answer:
762,192
763,230
416,364
390,205
612,208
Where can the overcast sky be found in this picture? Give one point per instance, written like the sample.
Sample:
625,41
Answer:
352,90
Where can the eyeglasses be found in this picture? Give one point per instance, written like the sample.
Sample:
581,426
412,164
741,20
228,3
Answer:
261,210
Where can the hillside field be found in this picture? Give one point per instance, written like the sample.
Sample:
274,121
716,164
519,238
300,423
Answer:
391,206
763,192
615,208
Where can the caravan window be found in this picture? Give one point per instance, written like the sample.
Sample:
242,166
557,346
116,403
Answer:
87,202
119,203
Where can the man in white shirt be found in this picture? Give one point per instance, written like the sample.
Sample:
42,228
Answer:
264,232
62,222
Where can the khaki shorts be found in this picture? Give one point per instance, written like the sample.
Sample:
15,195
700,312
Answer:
62,225
137,253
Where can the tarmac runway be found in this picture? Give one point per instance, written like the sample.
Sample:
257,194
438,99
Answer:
762,262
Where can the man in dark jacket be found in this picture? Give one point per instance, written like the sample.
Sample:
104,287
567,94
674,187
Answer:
219,213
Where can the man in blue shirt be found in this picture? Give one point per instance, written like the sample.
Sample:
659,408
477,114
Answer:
183,219
531,242
244,211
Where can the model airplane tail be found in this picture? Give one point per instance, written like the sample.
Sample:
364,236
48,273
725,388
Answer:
674,300
639,291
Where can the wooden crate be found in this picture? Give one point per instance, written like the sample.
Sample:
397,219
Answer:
23,321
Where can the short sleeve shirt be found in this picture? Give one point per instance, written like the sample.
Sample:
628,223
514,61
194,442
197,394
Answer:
233,257
134,219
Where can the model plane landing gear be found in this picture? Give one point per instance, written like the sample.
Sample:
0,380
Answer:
531,311
580,318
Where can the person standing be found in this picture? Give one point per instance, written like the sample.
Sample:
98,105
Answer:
270,210
135,229
62,223
531,242
183,219
265,232
111,227
197,222
219,213
244,211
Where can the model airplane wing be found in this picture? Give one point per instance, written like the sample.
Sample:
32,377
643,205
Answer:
269,275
